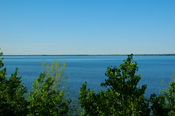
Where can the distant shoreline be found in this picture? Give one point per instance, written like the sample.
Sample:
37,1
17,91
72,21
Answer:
99,55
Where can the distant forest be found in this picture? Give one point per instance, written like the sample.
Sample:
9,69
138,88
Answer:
99,55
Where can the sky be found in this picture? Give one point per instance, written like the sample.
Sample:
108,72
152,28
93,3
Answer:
58,27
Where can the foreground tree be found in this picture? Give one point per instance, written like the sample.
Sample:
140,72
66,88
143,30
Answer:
49,96
122,97
164,103
170,96
12,98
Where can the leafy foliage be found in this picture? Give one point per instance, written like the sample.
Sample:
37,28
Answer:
164,104
122,97
48,98
12,98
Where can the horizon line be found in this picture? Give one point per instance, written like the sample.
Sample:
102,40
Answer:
96,55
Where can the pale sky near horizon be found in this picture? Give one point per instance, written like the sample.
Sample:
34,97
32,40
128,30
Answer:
37,27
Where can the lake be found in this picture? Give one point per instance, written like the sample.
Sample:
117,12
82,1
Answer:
92,70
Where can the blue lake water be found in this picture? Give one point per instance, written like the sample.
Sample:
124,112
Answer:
92,69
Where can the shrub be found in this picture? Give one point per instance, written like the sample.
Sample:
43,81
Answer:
49,96
122,97
12,98
164,104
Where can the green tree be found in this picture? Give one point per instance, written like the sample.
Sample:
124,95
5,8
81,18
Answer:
170,96
122,97
49,96
12,98
164,104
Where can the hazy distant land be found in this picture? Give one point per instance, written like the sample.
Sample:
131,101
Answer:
98,55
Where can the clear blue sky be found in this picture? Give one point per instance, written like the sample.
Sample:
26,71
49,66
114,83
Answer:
87,27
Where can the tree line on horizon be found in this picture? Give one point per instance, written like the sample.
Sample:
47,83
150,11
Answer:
50,97
97,55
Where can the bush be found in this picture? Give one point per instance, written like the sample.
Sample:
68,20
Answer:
122,97
12,98
50,97
47,98
164,104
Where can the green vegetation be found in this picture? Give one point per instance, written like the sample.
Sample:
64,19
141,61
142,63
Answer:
164,103
49,96
12,99
122,96
99,55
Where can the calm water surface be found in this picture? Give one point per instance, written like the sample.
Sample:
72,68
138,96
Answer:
92,69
